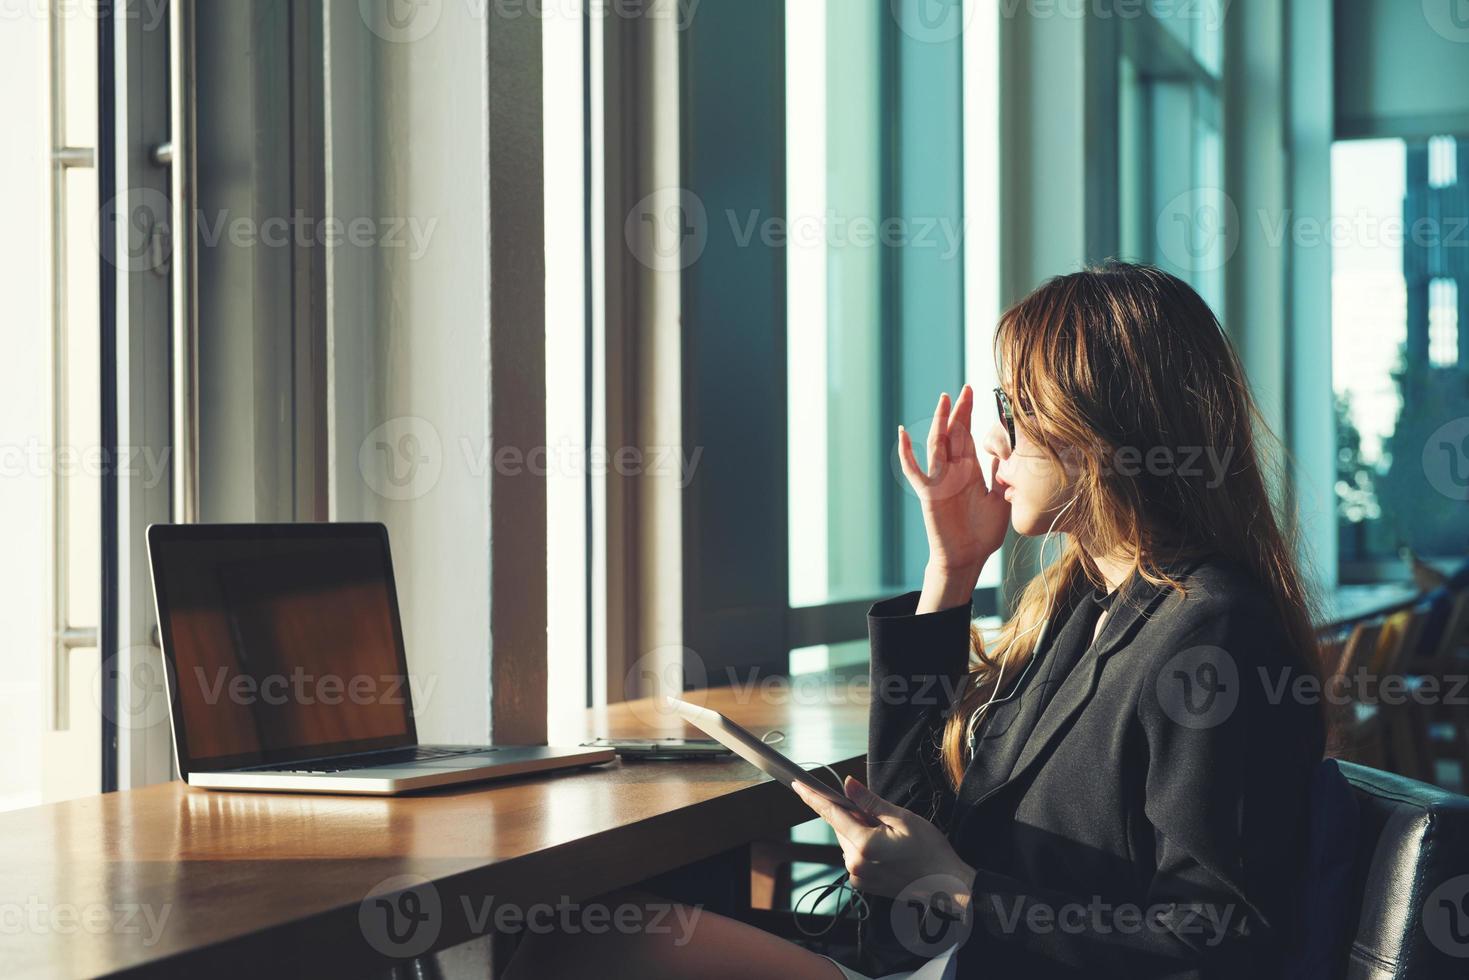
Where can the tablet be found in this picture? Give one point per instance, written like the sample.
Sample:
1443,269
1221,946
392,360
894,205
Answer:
759,754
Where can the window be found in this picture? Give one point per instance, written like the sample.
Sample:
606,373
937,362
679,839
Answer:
1399,218
1443,164
1174,212
1443,322
834,313
891,290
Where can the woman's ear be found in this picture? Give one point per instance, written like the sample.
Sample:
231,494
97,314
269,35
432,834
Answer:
1073,461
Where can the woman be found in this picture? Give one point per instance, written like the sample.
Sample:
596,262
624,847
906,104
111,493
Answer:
1116,785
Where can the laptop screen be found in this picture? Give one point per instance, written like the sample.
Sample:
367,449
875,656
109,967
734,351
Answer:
283,642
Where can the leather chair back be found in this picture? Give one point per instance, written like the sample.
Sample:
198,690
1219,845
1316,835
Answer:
1409,884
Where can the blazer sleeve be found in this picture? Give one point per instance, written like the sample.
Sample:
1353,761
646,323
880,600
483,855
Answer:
918,662
1226,795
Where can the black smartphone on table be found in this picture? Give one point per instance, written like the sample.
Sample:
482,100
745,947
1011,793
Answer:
662,749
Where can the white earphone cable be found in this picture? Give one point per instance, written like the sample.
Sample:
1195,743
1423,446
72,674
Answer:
979,712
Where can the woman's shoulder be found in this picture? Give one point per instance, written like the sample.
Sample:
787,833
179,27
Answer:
1219,649
1219,601
1215,585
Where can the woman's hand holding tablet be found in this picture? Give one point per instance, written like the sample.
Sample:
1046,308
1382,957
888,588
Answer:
759,754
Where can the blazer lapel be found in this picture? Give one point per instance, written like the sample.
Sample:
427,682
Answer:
1137,600
1000,747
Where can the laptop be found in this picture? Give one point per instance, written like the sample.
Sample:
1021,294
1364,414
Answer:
286,670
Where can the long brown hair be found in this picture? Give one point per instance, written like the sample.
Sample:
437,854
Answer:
1108,365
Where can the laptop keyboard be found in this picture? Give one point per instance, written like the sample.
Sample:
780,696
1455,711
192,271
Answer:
390,757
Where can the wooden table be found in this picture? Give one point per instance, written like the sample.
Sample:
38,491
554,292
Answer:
173,881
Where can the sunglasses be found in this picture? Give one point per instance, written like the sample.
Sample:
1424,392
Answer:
1007,414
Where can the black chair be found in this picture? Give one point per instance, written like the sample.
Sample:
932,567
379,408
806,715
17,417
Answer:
1409,883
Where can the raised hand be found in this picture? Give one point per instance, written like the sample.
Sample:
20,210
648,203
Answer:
965,517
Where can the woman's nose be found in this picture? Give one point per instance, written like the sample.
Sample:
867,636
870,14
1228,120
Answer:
996,442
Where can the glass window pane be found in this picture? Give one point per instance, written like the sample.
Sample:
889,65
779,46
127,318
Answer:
1173,210
838,658
1209,36
982,258
838,463
1208,148
1134,203
1401,397
1443,323
892,284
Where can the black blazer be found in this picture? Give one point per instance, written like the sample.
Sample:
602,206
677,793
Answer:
1138,809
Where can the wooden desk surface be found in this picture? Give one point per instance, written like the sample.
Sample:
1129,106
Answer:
174,881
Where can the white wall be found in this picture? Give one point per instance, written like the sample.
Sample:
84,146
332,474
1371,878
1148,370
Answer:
408,332
36,764
23,411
